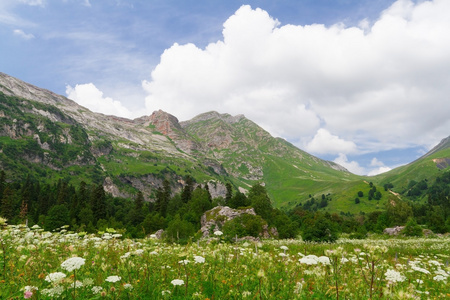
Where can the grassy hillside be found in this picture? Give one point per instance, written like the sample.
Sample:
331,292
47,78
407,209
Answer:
424,168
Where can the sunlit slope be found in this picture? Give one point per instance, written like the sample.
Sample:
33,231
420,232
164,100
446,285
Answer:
427,168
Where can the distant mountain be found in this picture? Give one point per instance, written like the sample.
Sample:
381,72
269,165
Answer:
427,168
49,137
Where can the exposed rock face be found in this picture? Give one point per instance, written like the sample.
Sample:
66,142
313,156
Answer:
169,126
393,231
442,163
218,216
217,189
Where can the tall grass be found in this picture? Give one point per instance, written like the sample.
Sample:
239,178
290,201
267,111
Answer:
110,267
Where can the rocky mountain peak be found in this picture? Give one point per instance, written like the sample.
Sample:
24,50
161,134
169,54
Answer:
164,123
213,115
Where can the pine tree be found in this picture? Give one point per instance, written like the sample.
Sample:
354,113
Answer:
163,198
2,183
7,203
229,194
186,194
98,202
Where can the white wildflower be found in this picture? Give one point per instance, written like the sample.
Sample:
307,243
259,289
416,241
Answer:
176,282
218,233
96,289
184,261
309,260
53,292
73,263
323,260
55,278
113,278
394,276
30,288
439,278
199,259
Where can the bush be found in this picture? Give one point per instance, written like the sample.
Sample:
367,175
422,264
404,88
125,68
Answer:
321,230
412,228
244,225
179,230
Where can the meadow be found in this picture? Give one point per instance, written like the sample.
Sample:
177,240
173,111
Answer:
35,264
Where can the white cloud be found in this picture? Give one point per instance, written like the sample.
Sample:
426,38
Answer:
22,34
383,85
92,98
379,167
378,171
326,143
352,166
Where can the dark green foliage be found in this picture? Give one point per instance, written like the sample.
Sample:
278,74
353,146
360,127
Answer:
179,230
198,205
320,229
244,225
388,186
58,216
137,214
238,200
7,204
229,194
398,211
412,228
287,228
260,201
153,222
98,202
360,194
357,201
163,198
187,189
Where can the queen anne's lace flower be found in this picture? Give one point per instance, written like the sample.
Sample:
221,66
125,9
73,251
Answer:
55,278
113,278
73,263
394,276
176,282
309,260
199,259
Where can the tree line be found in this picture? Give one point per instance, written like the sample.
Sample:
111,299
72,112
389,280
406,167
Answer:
87,208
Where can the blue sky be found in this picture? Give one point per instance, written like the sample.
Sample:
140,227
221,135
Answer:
363,83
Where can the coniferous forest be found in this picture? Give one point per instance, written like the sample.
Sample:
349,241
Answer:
87,208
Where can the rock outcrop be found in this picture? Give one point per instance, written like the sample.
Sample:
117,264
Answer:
218,216
393,231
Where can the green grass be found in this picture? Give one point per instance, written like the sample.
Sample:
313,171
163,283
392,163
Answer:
111,267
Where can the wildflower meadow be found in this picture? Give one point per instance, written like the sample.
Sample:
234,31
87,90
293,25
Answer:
35,264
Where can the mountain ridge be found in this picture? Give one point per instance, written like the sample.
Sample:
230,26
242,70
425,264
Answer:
50,134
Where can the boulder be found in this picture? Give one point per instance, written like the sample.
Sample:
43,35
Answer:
393,231
216,217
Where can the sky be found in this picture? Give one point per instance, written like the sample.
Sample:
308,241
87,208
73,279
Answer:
364,83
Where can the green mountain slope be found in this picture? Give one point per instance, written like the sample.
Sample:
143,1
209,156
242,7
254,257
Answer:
50,137
426,168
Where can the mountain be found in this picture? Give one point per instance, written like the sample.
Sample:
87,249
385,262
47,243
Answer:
49,137
426,168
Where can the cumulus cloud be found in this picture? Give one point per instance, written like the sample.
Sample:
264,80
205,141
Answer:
378,167
22,34
92,98
352,166
382,84
324,142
